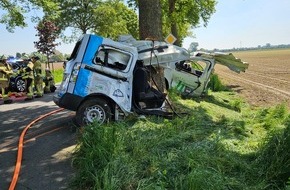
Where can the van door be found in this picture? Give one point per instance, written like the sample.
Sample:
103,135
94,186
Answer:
190,77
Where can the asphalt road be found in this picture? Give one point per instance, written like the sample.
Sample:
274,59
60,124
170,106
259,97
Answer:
48,145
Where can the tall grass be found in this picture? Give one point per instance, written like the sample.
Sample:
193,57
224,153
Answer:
94,153
215,83
215,146
274,156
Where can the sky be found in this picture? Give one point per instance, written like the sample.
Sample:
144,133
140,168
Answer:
245,23
235,24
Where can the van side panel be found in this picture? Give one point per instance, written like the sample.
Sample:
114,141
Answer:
81,87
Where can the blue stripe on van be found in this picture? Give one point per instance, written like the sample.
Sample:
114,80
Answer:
92,48
84,75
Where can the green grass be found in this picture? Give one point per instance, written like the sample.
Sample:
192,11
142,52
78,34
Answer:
215,84
58,75
220,144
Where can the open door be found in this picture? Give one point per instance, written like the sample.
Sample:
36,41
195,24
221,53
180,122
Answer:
226,59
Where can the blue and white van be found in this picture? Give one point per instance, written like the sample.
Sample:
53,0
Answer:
107,80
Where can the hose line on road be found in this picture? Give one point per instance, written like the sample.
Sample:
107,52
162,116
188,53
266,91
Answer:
20,148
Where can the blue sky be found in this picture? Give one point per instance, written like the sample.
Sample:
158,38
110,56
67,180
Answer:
236,23
245,23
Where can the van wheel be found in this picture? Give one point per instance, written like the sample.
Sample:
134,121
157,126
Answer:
93,110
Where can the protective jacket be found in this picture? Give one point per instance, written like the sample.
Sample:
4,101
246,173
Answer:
38,78
5,73
28,71
37,69
49,82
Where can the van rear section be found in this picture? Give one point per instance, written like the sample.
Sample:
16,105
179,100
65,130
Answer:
65,96
97,79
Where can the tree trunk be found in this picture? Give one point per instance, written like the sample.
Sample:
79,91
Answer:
47,63
52,67
174,29
150,19
150,27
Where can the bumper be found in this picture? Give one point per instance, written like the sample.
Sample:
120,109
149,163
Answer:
68,101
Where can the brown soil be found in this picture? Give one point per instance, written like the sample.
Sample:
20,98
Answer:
267,80
55,65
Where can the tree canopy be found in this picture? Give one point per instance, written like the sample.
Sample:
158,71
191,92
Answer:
182,15
14,12
13,15
109,18
179,16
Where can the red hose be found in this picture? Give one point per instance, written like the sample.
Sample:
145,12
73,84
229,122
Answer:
20,148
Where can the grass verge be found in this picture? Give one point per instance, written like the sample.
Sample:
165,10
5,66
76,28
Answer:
220,144
58,75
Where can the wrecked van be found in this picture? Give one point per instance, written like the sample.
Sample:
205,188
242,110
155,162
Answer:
108,80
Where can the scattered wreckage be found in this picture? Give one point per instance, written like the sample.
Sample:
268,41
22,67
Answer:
107,80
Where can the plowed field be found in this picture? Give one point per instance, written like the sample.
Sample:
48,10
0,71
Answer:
267,80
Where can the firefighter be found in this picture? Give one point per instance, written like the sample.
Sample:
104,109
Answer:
49,81
27,75
5,73
38,78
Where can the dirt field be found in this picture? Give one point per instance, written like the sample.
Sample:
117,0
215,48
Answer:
55,65
267,80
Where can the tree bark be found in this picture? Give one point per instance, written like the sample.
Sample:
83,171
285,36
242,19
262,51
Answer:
150,27
150,19
174,29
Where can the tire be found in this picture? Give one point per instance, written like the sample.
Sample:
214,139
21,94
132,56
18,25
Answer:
20,85
93,110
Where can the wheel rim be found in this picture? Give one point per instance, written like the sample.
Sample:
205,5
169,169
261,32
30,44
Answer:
94,114
20,85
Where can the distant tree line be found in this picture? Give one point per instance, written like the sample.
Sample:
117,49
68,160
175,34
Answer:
56,57
259,47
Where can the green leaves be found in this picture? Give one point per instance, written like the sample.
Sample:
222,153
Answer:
185,15
108,18
13,16
179,16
